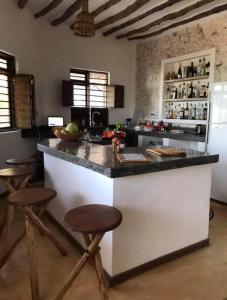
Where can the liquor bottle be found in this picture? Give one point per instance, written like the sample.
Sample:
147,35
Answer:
167,93
171,111
176,94
190,112
172,92
203,68
198,89
185,72
166,113
191,70
181,113
203,91
175,112
207,71
179,96
195,72
190,90
184,91
199,67
207,90
186,112
199,112
205,112
194,113
179,74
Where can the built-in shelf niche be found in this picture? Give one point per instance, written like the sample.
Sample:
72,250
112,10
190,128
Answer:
172,65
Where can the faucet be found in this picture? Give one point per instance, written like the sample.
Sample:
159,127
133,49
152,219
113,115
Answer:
93,116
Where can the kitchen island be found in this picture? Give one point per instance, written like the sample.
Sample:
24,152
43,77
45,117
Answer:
165,202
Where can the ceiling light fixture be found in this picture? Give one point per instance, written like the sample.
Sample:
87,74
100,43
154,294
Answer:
84,25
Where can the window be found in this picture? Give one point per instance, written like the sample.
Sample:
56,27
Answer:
90,88
7,71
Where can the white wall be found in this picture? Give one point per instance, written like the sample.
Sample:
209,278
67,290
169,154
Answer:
49,52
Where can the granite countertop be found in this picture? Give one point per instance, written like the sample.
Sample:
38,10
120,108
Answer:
101,159
176,136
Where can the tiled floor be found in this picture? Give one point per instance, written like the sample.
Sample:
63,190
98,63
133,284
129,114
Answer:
198,276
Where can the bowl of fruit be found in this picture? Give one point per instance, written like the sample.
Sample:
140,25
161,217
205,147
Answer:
69,133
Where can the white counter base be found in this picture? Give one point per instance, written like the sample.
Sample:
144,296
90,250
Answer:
162,212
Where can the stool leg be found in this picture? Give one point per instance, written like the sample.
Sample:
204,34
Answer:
42,228
80,264
9,184
98,268
88,242
23,182
6,234
32,260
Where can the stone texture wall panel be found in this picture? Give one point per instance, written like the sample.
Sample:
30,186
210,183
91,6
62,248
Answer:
206,34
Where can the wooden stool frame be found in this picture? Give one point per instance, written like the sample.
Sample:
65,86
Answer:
32,221
12,184
92,251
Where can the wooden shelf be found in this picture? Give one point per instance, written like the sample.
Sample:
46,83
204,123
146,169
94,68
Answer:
187,100
187,79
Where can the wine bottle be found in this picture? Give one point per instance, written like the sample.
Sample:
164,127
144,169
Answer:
186,112
199,67
207,68
181,113
179,74
205,112
194,113
190,90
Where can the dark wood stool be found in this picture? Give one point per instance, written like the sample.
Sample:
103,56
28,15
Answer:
25,200
20,161
93,221
14,179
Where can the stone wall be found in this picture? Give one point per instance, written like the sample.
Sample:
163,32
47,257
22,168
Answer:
206,34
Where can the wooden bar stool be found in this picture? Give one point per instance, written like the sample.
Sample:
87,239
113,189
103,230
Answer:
14,179
20,161
25,200
93,221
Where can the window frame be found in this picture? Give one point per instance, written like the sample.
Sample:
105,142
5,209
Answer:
87,83
9,72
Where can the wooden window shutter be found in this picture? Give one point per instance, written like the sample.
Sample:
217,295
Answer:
67,93
115,96
24,101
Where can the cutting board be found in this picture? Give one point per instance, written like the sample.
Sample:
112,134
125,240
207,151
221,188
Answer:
168,151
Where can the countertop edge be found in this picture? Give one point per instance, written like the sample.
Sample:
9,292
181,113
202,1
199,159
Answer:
75,160
128,169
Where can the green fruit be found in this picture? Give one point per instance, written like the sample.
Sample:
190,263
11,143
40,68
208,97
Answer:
72,128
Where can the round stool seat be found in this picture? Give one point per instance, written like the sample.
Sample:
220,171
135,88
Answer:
15,172
20,161
93,218
31,196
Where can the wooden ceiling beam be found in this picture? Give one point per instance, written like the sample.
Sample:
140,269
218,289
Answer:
104,7
52,5
22,3
167,17
142,16
69,12
122,14
201,15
